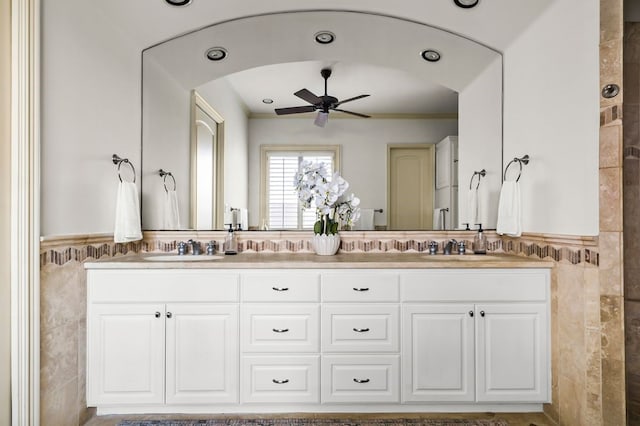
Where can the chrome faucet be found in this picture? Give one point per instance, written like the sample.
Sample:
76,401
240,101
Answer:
211,248
195,247
182,248
451,245
433,247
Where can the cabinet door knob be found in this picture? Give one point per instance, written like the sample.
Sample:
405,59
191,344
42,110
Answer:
471,313
280,382
158,314
360,330
361,380
482,313
169,314
280,288
280,330
360,289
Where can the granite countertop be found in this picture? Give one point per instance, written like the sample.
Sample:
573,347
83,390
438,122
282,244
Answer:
312,261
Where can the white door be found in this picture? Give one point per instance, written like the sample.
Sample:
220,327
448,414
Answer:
438,346
410,187
512,359
202,354
126,343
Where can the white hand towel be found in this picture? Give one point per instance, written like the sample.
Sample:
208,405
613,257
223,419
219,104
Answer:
127,226
437,220
472,207
171,211
365,223
509,210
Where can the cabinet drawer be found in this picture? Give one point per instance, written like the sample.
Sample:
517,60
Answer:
361,328
475,285
280,328
370,286
279,379
373,378
167,285
271,286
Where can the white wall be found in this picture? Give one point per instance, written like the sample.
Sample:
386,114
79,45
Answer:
363,156
551,112
90,110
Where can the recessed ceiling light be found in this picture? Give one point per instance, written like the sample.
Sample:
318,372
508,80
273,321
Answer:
430,55
178,2
466,4
267,101
325,37
216,53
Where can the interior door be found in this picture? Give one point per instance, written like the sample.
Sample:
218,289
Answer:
410,187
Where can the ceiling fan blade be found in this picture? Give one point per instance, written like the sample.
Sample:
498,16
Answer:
295,110
352,113
308,96
352,99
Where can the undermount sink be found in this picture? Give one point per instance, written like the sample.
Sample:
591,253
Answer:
182,258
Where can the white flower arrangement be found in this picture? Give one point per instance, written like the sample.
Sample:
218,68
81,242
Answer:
315,189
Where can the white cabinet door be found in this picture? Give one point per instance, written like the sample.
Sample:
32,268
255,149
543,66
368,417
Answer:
202,353
126,354
438,346
512,358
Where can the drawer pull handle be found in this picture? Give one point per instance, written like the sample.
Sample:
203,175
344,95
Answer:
280,330
158,314
280,288
361,380
471,313
361,289
482,313
360,330
280,382
169,314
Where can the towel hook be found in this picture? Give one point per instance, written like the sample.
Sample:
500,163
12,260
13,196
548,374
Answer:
117,160
482,173
523,160
164,175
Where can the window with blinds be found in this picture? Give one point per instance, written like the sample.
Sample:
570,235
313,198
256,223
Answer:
282,204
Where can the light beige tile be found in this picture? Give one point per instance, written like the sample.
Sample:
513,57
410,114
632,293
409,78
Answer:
611,68
610,200
611,146
59,298
572,401
56,407
58,356
610,263
611,22
611,315
613,392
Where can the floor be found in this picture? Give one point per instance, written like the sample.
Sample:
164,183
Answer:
525,419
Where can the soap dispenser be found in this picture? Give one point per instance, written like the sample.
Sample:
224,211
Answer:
231,242
480,241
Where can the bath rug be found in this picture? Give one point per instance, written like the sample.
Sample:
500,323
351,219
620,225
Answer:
315,422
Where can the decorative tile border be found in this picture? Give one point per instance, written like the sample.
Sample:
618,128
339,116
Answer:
631,153
610,114
575,250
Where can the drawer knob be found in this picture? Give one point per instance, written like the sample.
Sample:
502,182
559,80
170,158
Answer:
158,314
280,330
471,313
361,289
360,330
169,314
280,288
482,313
361,380
280,382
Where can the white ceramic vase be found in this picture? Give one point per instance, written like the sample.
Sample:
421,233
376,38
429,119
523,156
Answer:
325,245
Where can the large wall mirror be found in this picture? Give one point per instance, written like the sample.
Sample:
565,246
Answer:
441,119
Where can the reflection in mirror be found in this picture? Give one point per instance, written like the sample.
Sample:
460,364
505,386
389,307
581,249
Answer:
453,106
207,166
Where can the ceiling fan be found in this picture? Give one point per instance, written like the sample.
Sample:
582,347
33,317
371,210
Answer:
323,104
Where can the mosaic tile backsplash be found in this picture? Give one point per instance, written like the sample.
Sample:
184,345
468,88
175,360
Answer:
52,252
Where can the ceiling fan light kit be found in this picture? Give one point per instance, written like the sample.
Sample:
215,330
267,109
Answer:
323,104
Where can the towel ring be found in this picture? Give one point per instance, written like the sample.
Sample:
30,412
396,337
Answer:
117,160
482,173
164,175
524,160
